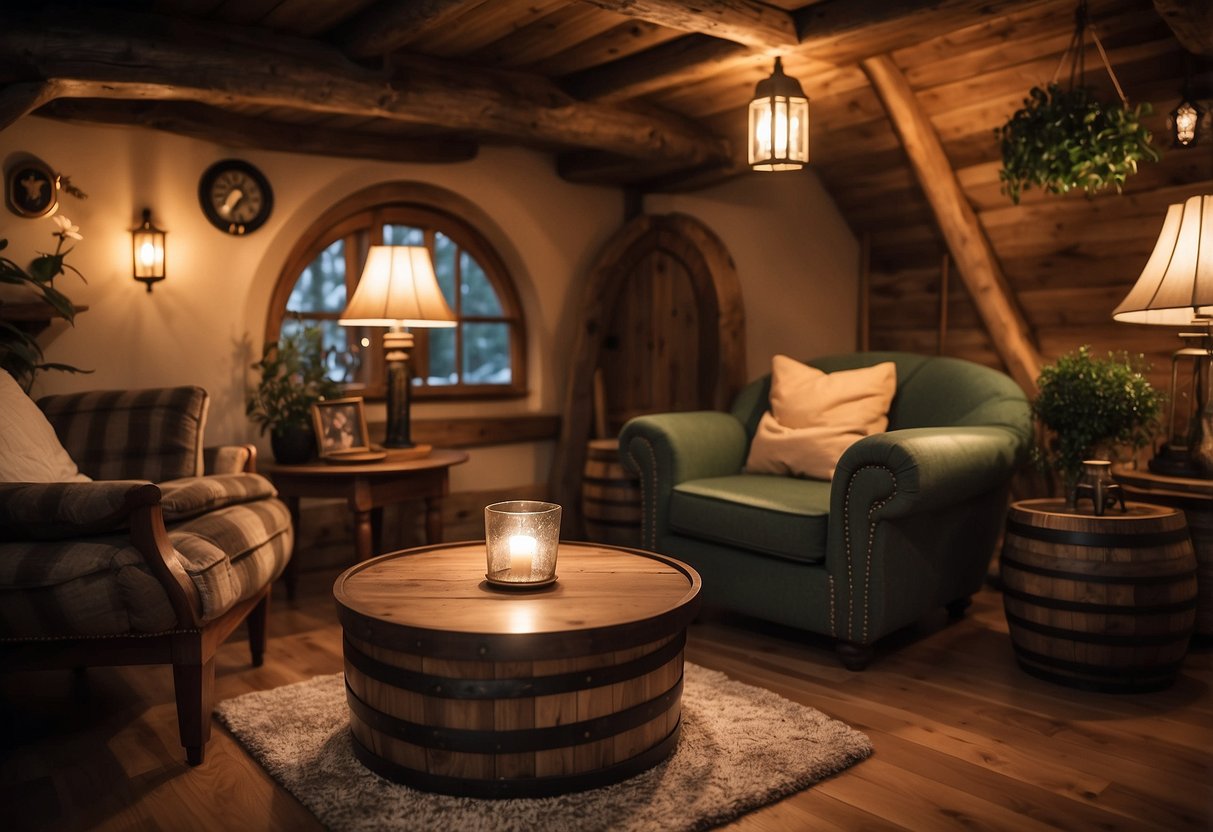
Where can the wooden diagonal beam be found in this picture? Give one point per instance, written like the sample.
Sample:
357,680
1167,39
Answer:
201,121
743,21
1192,23
146,57
387,25
971,250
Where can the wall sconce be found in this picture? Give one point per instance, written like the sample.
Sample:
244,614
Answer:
1185,122
147,251
779,123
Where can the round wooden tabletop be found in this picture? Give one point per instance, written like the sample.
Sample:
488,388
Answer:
436,597
1057,506
390,465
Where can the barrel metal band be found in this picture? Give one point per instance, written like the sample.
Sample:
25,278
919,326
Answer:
1122,673
1081,577
1108,639
450,687
1116,540
518,786
1099,609
518,740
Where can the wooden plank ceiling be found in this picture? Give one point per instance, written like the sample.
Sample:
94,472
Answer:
651,94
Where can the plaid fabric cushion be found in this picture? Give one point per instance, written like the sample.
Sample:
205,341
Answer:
132,434
54,511
190,497
226,459
102,586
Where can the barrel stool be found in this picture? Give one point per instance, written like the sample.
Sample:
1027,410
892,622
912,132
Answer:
1101,603
610,497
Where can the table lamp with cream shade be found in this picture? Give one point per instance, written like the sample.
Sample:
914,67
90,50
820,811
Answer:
1176,289
398,289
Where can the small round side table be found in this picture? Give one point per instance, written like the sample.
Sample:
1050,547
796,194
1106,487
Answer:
1194,497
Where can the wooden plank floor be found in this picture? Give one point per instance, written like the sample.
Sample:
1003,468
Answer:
964,740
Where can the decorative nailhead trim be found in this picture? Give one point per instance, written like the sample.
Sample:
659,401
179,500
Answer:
833,624
846,512
648,489
24,639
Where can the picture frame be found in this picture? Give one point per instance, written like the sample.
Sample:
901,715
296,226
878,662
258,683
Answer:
31,189
340,427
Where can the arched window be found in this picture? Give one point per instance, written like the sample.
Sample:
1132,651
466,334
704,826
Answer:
484,356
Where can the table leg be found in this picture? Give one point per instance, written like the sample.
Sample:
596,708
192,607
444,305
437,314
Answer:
433,520
363,536
290,575
377,530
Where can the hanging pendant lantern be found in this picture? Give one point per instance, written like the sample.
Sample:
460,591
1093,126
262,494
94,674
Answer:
779,123
1185,122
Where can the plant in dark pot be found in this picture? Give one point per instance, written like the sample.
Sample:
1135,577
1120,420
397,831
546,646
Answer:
1090,408
294,376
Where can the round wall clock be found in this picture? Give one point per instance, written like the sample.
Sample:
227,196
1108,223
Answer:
235,196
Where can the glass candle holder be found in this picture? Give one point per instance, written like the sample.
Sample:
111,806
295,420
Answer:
521,538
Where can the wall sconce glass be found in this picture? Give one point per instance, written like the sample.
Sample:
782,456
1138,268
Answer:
147,251
398,289
779,123
1176,289
521,538
1185,122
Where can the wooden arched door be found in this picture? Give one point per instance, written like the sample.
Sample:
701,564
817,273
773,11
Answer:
662,318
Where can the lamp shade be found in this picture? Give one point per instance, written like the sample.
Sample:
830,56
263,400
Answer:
398,288
1176,286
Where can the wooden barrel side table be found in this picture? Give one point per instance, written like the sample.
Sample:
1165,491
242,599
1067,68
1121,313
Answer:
458,688
1194,497
1101,603
610,497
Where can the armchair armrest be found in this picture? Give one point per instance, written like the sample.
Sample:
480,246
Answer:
668,448
229,459
61,510
924,468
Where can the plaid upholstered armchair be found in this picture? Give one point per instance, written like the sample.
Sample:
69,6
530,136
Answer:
152,562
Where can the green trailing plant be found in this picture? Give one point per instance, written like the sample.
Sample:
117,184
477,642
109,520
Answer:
20,353
1063,139
293,376
1092,406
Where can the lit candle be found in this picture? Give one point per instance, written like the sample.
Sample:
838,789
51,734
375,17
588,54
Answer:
522,555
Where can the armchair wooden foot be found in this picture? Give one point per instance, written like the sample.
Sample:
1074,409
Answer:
854,656
256,630
195,689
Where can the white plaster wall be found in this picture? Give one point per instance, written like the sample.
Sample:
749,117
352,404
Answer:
203,325
797,261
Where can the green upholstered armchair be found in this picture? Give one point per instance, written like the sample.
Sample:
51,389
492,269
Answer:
151,562
907,524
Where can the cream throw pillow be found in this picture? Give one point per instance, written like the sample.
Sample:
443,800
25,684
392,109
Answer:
29,449
815,416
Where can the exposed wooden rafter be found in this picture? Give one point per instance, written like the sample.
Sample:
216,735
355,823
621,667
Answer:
971,250
387,25
1192,23
145,57
212,124
743,21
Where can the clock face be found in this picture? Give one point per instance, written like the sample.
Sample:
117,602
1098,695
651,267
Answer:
235,196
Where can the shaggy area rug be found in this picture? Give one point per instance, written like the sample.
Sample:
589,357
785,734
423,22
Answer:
741,748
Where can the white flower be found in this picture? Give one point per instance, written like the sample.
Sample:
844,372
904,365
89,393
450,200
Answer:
66,229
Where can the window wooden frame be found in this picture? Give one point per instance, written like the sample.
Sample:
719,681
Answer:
359,220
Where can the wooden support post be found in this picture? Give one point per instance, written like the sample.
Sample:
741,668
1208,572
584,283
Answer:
967,242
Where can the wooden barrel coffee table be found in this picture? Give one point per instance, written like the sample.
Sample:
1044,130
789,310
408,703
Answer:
459,688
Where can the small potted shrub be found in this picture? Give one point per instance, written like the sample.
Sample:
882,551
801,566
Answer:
1091,407
294,376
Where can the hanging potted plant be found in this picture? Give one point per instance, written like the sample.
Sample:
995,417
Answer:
1090,408
293,377
1064,138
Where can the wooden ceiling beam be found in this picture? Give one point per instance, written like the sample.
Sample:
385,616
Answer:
742,21
387,25
147,57
966,240
212,124
834,31
1192,23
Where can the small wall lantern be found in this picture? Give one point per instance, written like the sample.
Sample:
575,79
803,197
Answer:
521,539
1185,122
147,251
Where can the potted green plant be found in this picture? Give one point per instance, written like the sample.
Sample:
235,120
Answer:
20,353
1091,407
1063,139
293,377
